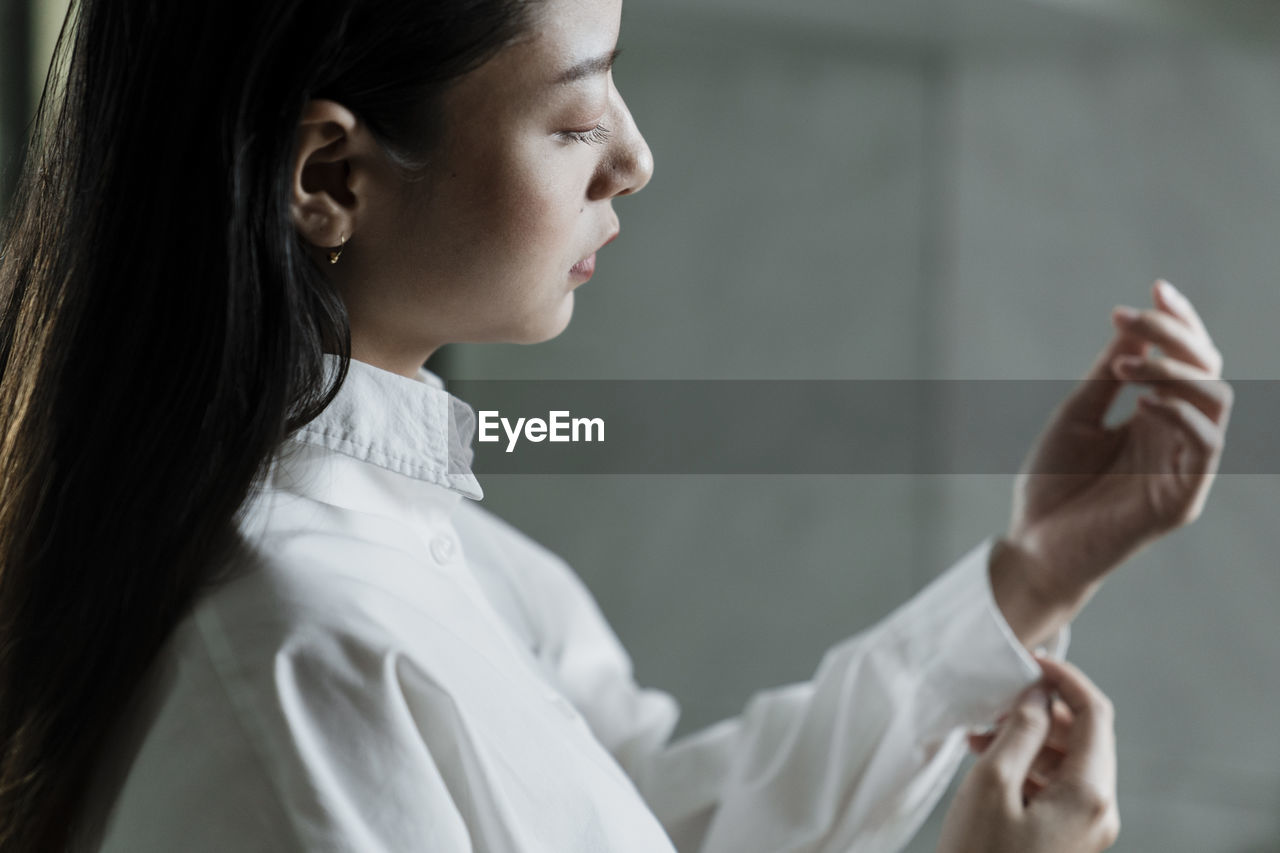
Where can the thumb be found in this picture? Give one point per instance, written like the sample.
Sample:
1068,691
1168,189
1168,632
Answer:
1018,742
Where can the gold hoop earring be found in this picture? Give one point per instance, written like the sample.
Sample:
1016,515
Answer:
337,253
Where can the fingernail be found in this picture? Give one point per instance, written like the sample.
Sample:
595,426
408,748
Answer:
1169,290
1126,313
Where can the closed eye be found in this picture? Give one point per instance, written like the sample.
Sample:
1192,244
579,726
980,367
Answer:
598,135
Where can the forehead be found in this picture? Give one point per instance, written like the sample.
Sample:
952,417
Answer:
518,86
561,34
572,30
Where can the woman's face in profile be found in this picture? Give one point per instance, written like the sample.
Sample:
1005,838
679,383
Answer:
536,145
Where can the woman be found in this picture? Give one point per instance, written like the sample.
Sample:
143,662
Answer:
244,604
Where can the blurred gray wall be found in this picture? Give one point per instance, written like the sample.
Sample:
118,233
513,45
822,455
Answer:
15,67
923,190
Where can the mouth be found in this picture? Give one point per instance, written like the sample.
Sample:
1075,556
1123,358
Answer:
586,267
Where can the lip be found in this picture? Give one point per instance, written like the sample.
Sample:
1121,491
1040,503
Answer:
586,267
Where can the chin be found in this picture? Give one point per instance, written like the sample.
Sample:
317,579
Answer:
545,327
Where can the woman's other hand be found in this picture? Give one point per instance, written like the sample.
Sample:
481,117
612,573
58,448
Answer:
1045,782
1091,495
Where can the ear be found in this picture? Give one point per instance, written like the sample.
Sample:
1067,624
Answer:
324,201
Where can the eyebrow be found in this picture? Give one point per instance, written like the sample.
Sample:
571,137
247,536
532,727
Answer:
589,68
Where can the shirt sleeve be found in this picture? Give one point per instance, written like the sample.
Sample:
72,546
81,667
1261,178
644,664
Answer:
852,760
347,744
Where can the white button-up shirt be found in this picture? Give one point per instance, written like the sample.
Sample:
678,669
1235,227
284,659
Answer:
396,669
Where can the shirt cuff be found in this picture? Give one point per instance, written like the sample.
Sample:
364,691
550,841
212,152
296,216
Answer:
973,665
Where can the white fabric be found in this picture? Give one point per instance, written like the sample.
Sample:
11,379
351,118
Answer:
396,669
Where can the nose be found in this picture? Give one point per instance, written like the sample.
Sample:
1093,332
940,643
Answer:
628,164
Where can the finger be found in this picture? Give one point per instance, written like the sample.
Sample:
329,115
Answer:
1175,302
1041,773
978,743
1169,377
1091,399
1173,336
1009,757
1046,763
1058,736
1055,742
1090,754
1207,437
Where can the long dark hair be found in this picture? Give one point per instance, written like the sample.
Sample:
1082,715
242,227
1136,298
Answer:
164,326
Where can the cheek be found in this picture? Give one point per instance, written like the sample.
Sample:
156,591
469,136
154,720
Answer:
506,222
537,205
547,227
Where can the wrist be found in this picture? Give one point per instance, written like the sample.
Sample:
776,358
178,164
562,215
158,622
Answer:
1034,607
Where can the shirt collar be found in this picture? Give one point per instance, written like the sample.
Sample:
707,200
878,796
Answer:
410,426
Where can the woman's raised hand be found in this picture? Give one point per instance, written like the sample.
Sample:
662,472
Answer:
1091,495
1046,781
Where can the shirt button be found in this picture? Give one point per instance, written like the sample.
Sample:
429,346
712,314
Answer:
443,549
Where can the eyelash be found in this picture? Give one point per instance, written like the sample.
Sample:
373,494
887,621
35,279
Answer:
598,135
